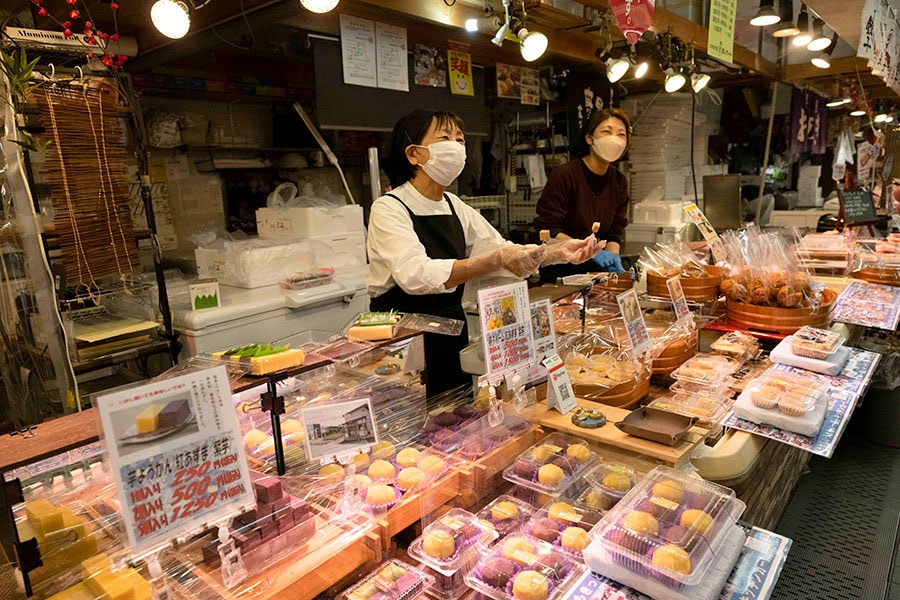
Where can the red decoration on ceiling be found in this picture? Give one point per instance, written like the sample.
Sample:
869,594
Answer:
633,17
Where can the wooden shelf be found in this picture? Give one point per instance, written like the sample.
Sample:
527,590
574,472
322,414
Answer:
50,438
115,358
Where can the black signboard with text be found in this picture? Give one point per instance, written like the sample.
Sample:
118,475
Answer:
857,207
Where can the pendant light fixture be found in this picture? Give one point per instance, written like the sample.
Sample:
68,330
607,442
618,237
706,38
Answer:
858,113
803,37
319,6
532,44
171,18
675,80
823,60
766,14
819,41
786,27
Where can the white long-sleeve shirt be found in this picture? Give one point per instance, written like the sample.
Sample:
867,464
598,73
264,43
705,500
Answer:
397,257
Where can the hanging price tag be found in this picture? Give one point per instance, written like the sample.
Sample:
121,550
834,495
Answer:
560,394
679,302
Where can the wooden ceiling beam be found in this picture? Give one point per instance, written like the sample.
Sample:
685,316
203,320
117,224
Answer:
846,65
841,16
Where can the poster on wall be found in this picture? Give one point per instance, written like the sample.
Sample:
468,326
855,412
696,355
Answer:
531,86
460,65
430,66
358,51
393,62
509,81
720,41
588,90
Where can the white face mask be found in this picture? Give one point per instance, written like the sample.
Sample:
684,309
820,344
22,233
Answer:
446,161
609,147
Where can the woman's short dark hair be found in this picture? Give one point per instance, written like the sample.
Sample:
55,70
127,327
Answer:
411,129
598,116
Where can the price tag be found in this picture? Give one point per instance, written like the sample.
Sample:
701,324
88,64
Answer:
707,230
634,322
560,394
838,171
682,312
506,330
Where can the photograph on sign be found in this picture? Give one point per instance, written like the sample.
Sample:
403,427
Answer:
679,302
505,315
339,428
152,421
542,328
634,322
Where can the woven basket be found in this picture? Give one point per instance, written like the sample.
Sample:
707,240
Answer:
780,320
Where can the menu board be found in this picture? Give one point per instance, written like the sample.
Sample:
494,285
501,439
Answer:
857,206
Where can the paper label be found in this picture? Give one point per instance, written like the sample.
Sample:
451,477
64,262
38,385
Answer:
664,503
571,517
505,317
204,295
682,312
634,322
560,394
452,522
543,329
524,556
707,230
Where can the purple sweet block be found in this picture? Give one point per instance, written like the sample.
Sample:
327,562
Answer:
301,511
284,524
447,419
268,530
174,414
268,489
465,411
544,528
280,504
211,553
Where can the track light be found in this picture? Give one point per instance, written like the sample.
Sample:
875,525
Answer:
786,28
766,14
319,6
641,69
171,18
498,38
819,41
857,113
616,68
699,81
804,37
823,61
532,44
674,80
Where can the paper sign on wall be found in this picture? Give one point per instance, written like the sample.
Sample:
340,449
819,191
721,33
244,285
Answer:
393,61
634,322
358,51
720,41
459,62
506,332
177,455
560,394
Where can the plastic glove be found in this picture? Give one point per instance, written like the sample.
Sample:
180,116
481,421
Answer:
521,261
573,251
610,261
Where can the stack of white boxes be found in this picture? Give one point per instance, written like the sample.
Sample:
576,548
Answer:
337,234
809,193
662,221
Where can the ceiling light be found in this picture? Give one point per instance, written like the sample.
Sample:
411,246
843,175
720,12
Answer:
804,37
472,25
889,120
532,44
786,27
766,14
171,18
616,68
319,6
641,69
819,41
823,61
857,113
880,118
838,102
699,81
674,80
498,38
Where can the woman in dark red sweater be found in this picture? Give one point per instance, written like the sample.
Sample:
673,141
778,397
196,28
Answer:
587,190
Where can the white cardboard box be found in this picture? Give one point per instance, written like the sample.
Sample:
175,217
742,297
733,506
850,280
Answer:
254,263
797,218
651,234
340,249
664,211
299,223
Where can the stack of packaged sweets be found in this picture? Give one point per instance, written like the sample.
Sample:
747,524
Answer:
702,389
553,467
391,580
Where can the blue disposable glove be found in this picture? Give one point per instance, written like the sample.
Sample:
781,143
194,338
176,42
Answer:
610,261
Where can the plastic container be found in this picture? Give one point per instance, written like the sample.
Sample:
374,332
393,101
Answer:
718,388
708,409
705,369
552,465
737,345
608,485
669,527
449,542
497,574
789,393
307,279
815,343
558,523
449,587
391,580
506,514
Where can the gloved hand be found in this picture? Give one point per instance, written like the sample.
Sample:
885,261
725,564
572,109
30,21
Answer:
521,261
572,251
610,261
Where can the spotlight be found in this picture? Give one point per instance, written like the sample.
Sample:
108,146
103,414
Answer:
838,102
823,61
880,118
641,69
472,25
498,38
674,80
857,113
699,81
890,119
819,41
804,37
616,68
532,44
319,6
766,14
171,18
786,27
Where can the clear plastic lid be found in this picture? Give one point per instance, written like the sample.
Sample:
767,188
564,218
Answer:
736,344
524,567
307,279
609,483
552,465
746,374
391,580
815,343
686,386
708,409
506,514
447,543
452,586
670,526
706,369
787,392
565,525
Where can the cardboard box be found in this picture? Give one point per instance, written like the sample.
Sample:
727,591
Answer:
651,234
299,223
662,212
340,249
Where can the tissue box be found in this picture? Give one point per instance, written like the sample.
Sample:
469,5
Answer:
254,263
298,223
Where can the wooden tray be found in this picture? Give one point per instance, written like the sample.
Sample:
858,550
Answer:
656,425
883,275
695,288
780,320
623,395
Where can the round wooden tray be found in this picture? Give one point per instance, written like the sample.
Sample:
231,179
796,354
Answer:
780,320
884,275
623,395
695,288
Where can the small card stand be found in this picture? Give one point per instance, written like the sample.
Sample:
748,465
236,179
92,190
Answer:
233,570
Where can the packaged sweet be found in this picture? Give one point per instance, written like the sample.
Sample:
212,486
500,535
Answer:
708,409
449,542
787,400
264,358
815,343
737,345
609,483
391,580
552,465
374,326
565,524
705,369
506,514
307,279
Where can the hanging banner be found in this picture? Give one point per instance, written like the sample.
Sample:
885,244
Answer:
430,66
460,64
588,90
720,41
393,61
633,17
879,42
809,122
358,51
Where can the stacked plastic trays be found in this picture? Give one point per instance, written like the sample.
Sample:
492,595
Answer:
554,466
391,580
672,537
701,389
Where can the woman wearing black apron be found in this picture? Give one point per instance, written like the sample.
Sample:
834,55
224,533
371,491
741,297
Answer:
421,237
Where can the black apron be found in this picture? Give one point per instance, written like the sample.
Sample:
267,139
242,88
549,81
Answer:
443,237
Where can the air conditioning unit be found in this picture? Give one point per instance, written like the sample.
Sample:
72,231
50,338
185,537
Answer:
41,40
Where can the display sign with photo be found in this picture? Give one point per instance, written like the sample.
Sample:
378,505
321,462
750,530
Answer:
634,322
509,81
679,302
430,66
505,317
339,428
543,329
177,455
531,86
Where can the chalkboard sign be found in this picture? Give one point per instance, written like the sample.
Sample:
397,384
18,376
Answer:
858,207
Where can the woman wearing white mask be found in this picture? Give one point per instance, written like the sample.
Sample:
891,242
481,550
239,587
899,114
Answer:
587,190
421,238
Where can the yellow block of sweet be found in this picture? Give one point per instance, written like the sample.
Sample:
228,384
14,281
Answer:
140,585
73,527
94,565
112,586
148,420
62,557
44,516
76,592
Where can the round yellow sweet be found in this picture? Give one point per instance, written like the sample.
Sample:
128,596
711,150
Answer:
254,438
550,475
410,478
504,510
382,469
512,548
575,538
291,426
641,522
361,481
530,585
361,461
670,490
579,452
432,465
267,448
697,520
672,558
332,470
617,481
379,493
562,512
439,544
383,449
542,453
595,500
408,457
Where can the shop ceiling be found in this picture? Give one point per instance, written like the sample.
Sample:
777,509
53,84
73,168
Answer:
573,39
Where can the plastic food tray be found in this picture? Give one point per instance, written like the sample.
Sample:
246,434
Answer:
708,409
789,393
609,483
561,458
391,580
469,536
815,343
501,517
736,344
668,509
554,518
705,369
719,388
